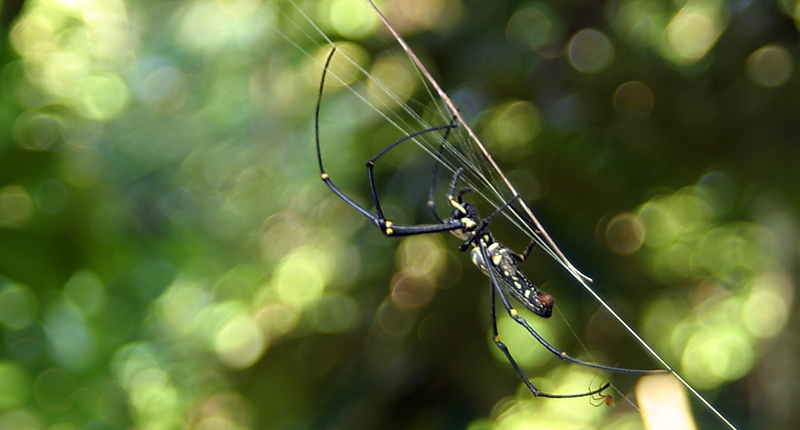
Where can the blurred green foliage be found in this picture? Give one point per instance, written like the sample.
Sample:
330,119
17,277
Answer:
170,259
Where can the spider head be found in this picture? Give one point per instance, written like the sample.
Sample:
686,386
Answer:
469,215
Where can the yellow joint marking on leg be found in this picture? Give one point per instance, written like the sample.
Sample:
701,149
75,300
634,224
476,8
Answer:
456,205
389,229
564,354
324,176
513,312
468,223
497,338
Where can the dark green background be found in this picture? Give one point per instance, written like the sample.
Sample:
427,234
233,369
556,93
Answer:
170,259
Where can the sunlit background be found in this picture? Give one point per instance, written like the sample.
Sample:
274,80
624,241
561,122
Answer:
169,258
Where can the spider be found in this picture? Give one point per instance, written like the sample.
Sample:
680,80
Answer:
602,399
495,260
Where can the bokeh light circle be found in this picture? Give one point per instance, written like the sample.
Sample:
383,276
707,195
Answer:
334,313
527,352
112,403
238,8
769,66
711,358
18,306
590,51
55,390
393,320
16,206
345,66
625,234
411,292
531,28
103,96
353,19
51,197
165,89
86,291
422,256
693,31
394,81
299,282
37,131
14,385
276,320
768,305
239,342
633,100
512,127
719,191
411,16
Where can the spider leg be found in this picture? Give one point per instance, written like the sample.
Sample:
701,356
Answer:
495,288
379,220
560,354
451,195
371,162
522,257
431,202
456,198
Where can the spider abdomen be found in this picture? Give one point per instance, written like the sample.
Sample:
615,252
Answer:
511,278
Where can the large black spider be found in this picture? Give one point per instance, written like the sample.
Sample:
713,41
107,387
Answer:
494,259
